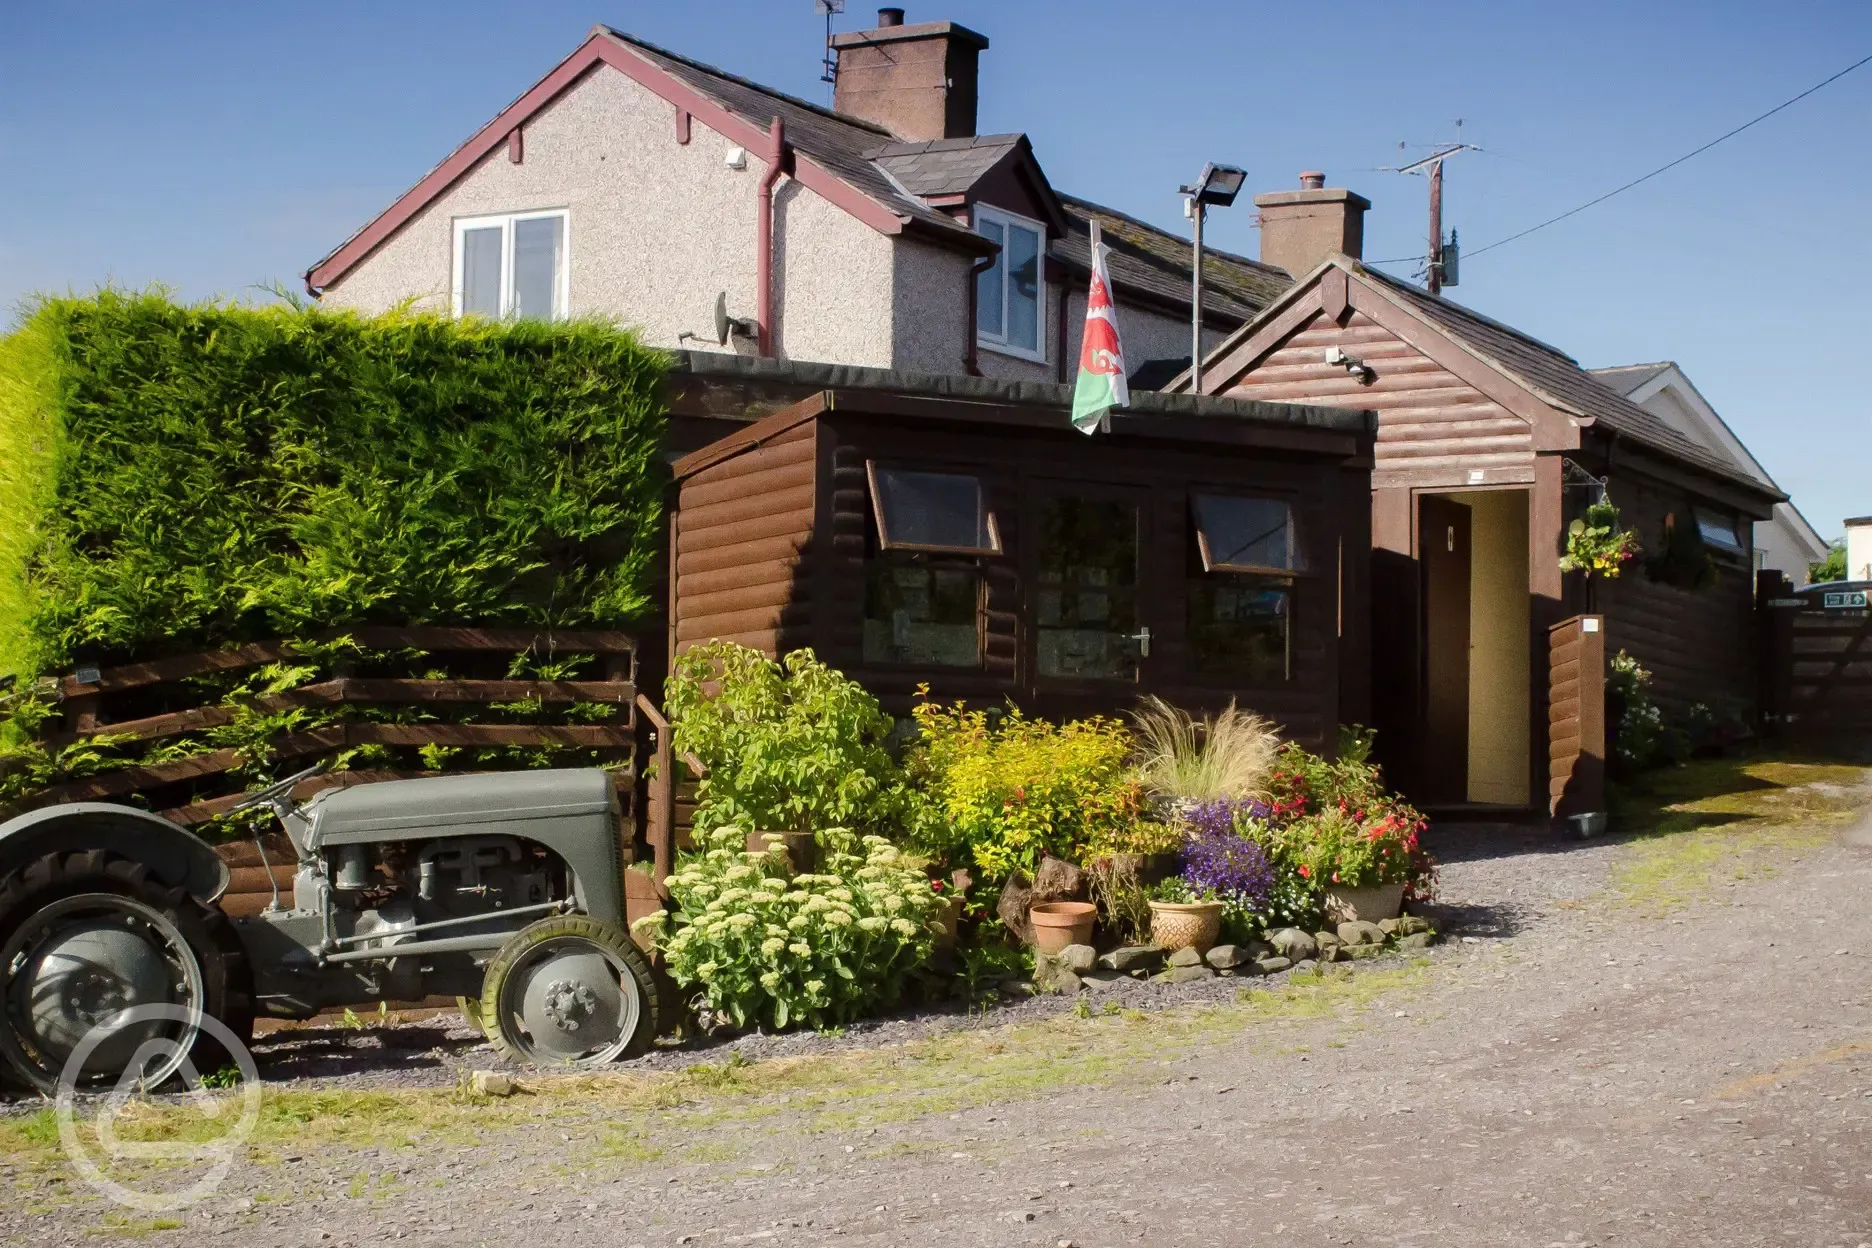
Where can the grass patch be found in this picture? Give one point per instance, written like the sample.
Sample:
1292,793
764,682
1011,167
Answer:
1694,827
620,1118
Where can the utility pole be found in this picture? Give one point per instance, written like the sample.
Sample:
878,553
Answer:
1432,166
1218,185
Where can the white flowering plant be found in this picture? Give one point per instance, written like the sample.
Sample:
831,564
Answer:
764,944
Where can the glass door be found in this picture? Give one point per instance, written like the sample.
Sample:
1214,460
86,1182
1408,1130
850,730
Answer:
1087,624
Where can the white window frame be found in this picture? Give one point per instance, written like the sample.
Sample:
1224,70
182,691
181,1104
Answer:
562,295
998,342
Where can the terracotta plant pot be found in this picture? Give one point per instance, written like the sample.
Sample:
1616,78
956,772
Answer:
1346,905
801,850
1185,924
1057,924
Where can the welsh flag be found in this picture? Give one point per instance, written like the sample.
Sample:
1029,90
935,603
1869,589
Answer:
1101,384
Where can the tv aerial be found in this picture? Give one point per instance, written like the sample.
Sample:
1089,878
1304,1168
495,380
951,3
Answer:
828,67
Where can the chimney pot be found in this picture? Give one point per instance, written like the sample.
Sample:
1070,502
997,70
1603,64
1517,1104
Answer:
918,82
1301,228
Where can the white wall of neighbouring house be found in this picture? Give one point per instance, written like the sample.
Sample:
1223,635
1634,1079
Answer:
1783,544
656,229
1859,549
1500,666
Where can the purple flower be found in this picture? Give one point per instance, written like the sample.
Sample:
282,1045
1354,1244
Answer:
1222,815
1219,861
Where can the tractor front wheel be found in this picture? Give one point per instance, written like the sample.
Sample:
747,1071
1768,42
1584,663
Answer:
569,991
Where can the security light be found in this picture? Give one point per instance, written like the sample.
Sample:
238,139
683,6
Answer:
1218,185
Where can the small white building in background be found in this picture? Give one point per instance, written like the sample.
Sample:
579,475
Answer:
1859,548
1787,543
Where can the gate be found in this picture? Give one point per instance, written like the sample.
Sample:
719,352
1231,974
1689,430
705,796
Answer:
1817,664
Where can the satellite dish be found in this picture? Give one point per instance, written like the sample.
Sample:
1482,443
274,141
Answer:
722,323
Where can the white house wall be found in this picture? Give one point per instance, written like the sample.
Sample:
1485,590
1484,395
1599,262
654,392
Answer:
656,229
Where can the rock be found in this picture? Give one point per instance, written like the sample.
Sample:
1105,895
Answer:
1133,958
1271,966
1305,965
1416,940
1293,944
1388,926
1413,924
1359,932
1261,949
491,1083
1359,953
1104,981
1186,974
1053,973
1079,958
1017,898
1015,986
1226,957
1059,880
1186,956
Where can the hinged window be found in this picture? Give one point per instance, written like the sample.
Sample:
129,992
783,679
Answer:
1718,529
1236,534
513,265
934,511
1010,314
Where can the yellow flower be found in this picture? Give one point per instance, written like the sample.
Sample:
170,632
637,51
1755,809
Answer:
800,949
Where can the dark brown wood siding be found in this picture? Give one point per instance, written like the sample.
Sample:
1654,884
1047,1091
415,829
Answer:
742,533
1698,644
1429,420
1576,716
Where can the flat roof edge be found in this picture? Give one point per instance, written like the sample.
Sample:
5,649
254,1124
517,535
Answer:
723,366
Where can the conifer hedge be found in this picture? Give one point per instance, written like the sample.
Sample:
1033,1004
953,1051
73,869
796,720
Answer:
177,477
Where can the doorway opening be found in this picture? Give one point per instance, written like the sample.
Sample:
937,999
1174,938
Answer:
1473,554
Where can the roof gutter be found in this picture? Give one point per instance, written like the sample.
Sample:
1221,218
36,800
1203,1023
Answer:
763,244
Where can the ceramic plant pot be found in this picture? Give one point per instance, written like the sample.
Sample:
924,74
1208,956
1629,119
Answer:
1382,901
1185,924
1057,924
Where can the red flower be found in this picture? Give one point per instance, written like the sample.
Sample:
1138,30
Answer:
1305,874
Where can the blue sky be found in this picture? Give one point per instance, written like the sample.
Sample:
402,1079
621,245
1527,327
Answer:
217,146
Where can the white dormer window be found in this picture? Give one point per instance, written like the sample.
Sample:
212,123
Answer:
512,265
1010,314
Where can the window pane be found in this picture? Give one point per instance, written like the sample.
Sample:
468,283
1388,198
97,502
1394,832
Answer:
481,265
989,320
1718,529
933,509
1246,532
538,242
1238,628
922,612
1086,613
1023,315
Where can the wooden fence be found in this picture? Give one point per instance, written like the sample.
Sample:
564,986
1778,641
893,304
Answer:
1816,662
1576,727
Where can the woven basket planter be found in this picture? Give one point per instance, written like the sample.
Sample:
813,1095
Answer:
1185,925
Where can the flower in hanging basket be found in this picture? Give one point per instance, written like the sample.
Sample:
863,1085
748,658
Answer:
1597,545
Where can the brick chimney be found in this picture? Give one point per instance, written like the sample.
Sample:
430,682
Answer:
1301,228
918,82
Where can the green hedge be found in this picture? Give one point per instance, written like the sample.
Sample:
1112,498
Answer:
174,477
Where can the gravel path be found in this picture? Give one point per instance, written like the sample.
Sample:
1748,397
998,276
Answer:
1566,1071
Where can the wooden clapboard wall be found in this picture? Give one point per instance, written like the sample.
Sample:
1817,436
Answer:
1576,727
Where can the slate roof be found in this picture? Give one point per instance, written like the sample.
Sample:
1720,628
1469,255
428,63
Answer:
944,166
1559,377
1147,258
1628,379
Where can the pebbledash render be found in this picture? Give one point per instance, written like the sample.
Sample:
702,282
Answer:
636,177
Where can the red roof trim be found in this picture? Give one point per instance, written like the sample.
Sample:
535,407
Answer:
601,47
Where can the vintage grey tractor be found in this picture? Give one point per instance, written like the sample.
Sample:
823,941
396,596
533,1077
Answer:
505,888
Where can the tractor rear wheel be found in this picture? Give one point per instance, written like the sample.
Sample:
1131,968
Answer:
103,960
569,991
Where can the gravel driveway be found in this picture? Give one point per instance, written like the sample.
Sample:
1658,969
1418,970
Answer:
1566,1070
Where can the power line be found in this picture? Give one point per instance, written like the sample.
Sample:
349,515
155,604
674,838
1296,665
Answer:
1665,168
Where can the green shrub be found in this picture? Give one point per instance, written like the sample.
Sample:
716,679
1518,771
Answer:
1832,568
176,477
764,945
789,746
1003,795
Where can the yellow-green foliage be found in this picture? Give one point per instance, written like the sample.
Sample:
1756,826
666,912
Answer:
1010,791
173,477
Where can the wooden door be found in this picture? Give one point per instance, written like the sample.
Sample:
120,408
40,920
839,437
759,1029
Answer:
1089,616
1444,554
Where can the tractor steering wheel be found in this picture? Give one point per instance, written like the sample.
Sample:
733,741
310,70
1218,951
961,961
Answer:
273,794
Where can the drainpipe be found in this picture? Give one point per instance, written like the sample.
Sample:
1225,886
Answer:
971,356
763,244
